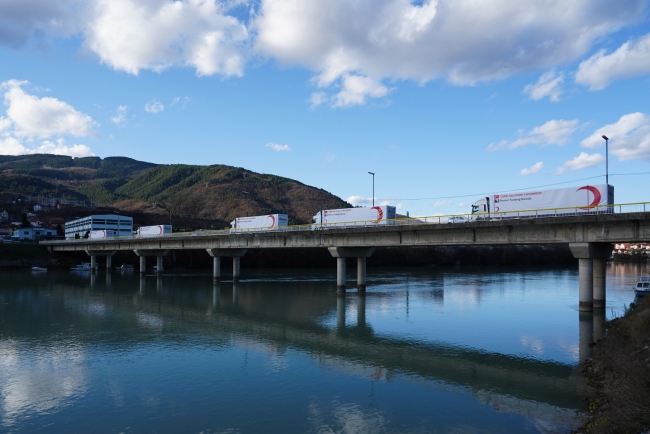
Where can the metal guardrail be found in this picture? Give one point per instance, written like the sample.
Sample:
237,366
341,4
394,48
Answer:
440,219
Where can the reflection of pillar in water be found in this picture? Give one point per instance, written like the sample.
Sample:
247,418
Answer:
216,289
142,280
93,278
599,324
361,309
235,293
586,325
159,284
108,280
439,297
109,263
340,311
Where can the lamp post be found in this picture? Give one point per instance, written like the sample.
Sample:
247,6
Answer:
118,223
245,201
606,160
170,212
373,188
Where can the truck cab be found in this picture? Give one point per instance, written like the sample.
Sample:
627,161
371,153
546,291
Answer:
481,206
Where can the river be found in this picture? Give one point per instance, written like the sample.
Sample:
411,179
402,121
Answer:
460,350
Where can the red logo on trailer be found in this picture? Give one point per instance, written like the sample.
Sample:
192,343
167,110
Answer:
380,213
595,192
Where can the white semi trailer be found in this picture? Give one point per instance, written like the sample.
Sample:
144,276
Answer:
260,222
101,233
569,200
154,230
332,218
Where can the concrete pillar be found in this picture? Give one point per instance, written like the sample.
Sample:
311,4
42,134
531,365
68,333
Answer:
93,263
600,274
143,253
586,285
340,253
235,268
109,263
586,332
143,265
159,264
361,273
588,255
216,268
340,274
340,311
361,310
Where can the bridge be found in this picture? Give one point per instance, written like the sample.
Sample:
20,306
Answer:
588,234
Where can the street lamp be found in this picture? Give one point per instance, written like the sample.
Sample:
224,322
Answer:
170,212
606,160
118,223
245,201
373,188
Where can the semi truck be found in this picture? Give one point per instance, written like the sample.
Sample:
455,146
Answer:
569,200
154,230
101,233
260,222
344,217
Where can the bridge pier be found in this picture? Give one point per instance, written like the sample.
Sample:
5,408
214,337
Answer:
591,274
341,253
236,255
142,253
95,253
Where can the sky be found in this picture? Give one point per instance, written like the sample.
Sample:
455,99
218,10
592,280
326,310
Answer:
445,101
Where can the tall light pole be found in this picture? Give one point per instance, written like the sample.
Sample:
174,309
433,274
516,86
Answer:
170,212
373,188
245,201
606,160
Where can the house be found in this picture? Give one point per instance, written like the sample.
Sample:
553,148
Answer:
33,233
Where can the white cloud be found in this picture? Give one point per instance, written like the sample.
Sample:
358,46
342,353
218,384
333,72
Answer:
355,90
177,100
327,157
532,169
318,98
42,117
29,118
461,41
277,147
154,107
359,200
549,85
554,132
582,161
120,118
629,137
631,59
443,203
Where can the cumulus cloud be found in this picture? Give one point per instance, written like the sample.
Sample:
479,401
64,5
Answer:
356,89
359,200
29,118
399,39
582,161
532,169
631,59
154,107
318,98
549,85
42,117
554,132
120,117
629,137
178,100
277,147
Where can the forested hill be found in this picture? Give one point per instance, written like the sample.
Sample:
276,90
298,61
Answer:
201,192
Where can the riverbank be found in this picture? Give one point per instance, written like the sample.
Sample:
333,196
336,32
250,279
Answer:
620,373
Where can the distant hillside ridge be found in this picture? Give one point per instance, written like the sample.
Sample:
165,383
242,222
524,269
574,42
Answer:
191,192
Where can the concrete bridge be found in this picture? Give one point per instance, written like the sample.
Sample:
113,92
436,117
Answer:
589,236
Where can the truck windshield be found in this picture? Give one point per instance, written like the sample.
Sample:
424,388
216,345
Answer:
474,209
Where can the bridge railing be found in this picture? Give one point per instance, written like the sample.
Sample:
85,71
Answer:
457,219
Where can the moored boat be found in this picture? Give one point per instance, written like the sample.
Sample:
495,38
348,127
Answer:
125,267
643,286
39,268
84,266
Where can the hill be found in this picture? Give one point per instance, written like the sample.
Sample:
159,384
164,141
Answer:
194,193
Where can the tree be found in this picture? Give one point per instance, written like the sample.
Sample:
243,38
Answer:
24,223
59,230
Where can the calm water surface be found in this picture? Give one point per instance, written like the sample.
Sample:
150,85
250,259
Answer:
425,350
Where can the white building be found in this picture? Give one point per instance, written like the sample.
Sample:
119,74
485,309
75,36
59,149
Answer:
95,222
33,233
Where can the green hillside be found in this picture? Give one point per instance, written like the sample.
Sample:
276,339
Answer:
194,192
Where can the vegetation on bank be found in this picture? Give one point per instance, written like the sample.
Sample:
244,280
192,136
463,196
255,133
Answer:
620,373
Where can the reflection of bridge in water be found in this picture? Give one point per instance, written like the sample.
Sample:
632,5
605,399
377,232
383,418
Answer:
245,311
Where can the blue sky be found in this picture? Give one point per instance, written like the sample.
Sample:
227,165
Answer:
444,100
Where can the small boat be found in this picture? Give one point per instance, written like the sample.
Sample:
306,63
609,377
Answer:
84,266
39,268
643,286
126,267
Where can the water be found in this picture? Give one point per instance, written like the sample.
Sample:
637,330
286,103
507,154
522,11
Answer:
426,350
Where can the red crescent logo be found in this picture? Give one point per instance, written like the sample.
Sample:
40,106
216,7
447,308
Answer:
380,213
596,194
160,231
272,221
